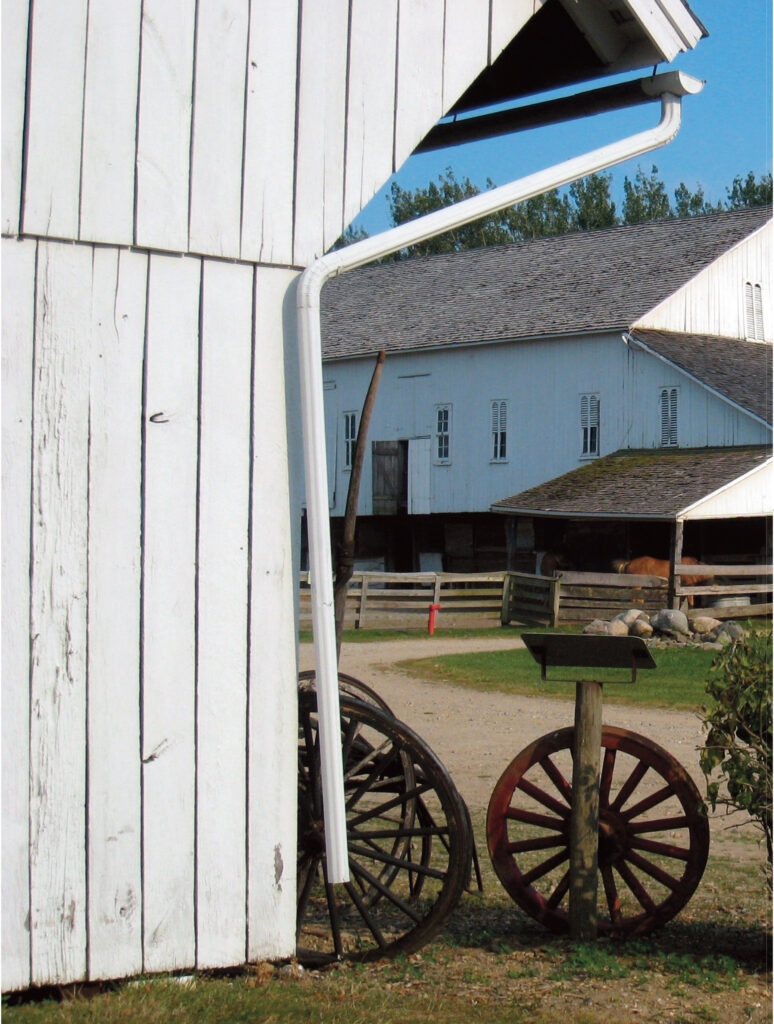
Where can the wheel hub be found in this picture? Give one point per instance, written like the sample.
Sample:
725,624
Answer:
613,840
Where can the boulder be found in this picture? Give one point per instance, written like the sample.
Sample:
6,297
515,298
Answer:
630,616
618,627
704,624
597,628
672,621
730,629
641,627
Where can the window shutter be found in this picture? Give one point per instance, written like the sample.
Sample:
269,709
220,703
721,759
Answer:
664,418
758,313
749,314
673,416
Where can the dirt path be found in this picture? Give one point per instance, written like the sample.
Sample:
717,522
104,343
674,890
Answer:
477,734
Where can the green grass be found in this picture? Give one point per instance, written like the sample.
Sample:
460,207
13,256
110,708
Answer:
677,682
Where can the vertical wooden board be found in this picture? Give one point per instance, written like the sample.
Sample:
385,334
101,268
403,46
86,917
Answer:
270,133
465,47
272,747
15,18
419,97
18,268
164,128
322,80
52,185
109,121
508,19
169,568
371,101
218,127
115,461
224,478
58,614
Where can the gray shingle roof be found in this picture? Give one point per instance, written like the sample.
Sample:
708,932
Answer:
740,370
589,281
654,483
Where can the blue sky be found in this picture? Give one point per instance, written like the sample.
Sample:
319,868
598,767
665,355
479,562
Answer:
726,130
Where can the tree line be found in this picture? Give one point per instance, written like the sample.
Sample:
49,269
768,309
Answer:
585,205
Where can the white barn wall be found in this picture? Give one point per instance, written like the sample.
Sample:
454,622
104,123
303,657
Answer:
542,381
713,302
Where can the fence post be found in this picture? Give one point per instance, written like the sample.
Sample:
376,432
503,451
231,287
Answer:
363,596
505,617
555,600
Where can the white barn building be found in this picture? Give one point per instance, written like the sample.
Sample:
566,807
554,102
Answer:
169,168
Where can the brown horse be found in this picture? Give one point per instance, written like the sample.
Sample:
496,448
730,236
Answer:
647,566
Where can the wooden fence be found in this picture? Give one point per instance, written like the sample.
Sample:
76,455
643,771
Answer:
723,598
403,600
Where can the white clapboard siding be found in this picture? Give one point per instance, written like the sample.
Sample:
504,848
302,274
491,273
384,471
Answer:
18,268
419,94
319,186
370,102
15,18
55,85
222,602
109,121
164,130
270,133
466,47
508,19
218,126
58,614
115,463
272,697
171,428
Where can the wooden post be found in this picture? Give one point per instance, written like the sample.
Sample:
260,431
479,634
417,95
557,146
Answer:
363,596
584,820
675,558
555,598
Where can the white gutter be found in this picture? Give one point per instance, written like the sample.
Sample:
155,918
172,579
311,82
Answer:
670,87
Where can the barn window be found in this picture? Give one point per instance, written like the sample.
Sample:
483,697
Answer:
668,401
350,436
499,413
753,312
443,433
589,415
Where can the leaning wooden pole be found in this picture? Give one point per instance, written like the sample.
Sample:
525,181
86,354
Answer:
346,551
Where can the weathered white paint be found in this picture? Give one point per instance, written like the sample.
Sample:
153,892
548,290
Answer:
272,764
508,18
170,457
466,47
419,459
222,601
419,92
18,269
164,126
58,614
319,193
267,215
542,381
216,166
14,19
750,495
370,101
713,301
109,121
52,184
114,557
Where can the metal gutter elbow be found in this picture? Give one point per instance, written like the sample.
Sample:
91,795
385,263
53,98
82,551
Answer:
313,416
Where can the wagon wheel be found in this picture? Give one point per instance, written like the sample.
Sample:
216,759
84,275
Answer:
653,832
407,837
350,686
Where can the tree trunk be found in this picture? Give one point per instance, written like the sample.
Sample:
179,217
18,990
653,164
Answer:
346,550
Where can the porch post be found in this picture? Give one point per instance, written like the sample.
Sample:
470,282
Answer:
675,558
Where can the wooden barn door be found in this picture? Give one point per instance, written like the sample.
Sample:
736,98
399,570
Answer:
390,480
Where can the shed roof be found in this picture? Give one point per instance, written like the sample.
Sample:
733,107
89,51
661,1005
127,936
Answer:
629,484
565,284
737,370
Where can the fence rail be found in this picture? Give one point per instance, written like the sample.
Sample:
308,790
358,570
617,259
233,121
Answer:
729,596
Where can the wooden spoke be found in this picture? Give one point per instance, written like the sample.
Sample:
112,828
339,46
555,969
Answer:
553,773
563,810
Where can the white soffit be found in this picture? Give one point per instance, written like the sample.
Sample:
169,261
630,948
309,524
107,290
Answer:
653,29
749,495
669,24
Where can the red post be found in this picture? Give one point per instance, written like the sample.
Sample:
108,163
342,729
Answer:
431,618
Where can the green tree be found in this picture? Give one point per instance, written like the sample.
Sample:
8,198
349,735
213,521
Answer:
645,198
546,214
593,206
692,204
749,191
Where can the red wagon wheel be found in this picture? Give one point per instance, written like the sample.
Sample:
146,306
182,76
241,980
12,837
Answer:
653,832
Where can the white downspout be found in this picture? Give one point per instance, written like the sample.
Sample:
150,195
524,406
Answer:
670,86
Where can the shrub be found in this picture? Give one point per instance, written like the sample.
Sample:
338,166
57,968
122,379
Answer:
739,728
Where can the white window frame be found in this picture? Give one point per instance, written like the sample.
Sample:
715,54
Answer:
589,424
668,405
498,430
350,421
442,434
753,311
